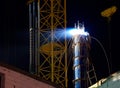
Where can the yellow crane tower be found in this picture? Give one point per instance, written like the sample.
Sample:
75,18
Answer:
48,46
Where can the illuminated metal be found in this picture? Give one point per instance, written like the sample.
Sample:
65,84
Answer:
80,50
78,31
48,54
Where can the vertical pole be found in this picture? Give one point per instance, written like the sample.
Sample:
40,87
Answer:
66,67
36,44
76,61
38,33
109,38
30,40
52,58
80,50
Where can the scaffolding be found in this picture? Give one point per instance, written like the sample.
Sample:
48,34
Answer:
48,47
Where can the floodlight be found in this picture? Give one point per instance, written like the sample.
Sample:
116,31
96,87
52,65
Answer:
109,11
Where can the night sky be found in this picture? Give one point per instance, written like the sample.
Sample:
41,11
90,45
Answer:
14,32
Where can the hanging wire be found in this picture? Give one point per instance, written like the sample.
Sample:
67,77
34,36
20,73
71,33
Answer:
104,52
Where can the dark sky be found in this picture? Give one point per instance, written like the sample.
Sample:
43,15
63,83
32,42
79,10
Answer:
14,32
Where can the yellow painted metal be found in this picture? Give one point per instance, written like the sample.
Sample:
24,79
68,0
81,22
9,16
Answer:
109,11
52,61
46,49
54,65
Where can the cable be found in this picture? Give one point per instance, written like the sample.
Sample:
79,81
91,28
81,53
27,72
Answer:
103,51
70,53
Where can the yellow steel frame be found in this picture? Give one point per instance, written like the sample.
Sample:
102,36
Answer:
52,64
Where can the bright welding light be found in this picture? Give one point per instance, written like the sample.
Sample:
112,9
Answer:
79,30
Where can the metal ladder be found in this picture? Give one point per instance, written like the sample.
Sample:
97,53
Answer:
92,78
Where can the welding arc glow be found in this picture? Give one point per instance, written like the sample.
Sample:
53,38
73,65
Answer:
78,32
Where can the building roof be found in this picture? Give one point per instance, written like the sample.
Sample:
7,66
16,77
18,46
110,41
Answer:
113,81
28,74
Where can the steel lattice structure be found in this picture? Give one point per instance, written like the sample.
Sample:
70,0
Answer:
48,46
